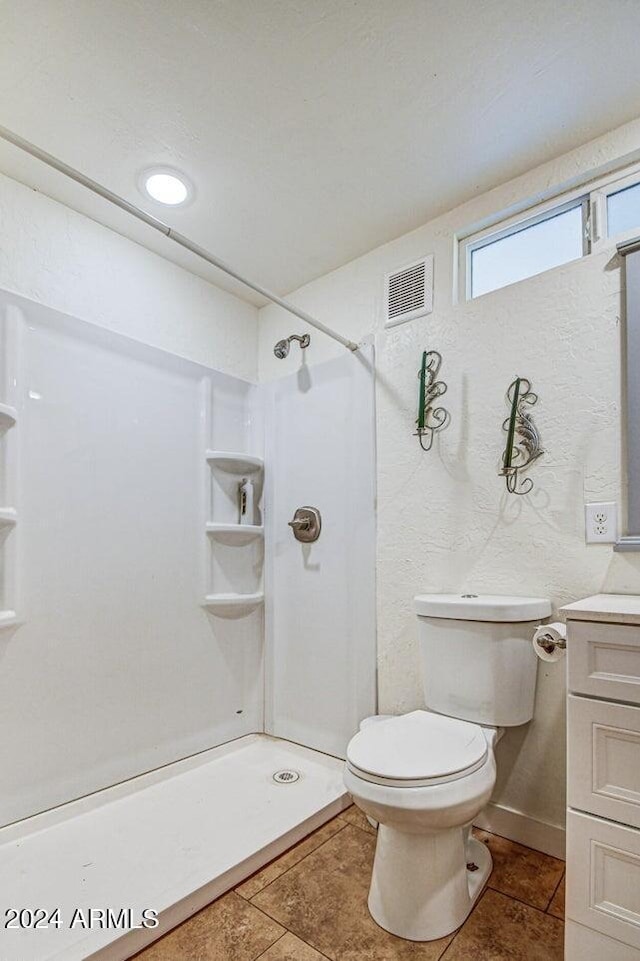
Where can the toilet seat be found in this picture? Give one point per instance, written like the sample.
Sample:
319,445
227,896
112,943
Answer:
417,750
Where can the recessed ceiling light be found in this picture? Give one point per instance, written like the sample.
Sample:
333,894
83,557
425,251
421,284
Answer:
166,186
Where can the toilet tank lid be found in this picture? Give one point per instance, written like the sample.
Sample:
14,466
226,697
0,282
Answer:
482,607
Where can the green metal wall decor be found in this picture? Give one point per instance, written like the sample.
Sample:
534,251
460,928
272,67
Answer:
430,418
523,439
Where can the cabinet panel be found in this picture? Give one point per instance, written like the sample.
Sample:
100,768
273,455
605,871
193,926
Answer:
603,877
604,660
604,759
583,944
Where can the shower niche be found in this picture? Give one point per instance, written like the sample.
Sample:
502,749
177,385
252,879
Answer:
235,534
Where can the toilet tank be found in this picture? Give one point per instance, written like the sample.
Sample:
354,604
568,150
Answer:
476,655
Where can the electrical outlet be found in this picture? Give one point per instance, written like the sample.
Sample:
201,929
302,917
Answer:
601,523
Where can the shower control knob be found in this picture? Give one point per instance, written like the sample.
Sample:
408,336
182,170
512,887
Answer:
300,525
306,524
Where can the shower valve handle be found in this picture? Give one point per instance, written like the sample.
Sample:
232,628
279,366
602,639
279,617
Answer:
300,525
306,524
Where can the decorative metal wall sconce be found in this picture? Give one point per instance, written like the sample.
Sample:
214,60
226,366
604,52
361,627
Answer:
523,440
430,418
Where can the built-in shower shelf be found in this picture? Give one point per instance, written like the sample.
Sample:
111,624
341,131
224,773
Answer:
8,517
235,533
233,463
8,416
8,619
233,603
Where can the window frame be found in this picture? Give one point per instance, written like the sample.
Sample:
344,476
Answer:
592,194
600,195
516,225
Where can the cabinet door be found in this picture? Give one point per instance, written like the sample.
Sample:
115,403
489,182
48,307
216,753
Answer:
604,759
604,660
603,877
584,944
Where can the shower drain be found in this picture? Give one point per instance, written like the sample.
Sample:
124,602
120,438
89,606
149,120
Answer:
286,777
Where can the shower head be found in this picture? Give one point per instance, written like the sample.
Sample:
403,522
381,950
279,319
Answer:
281,349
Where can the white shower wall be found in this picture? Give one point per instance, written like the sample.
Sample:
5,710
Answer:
116,668
321,602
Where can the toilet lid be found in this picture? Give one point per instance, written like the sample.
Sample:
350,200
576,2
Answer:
417,746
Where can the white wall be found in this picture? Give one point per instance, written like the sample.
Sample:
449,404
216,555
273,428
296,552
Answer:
444,521
61,258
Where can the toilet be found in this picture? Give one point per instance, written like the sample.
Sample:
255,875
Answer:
424,776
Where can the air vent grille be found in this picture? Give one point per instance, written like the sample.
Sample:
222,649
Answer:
406,291
409,292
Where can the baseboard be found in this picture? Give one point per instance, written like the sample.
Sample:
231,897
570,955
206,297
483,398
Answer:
548,838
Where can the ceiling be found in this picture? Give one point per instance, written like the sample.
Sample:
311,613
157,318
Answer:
314,130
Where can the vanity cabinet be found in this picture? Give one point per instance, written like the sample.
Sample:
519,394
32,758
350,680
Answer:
603,779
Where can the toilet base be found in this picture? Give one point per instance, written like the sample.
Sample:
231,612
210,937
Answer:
421,886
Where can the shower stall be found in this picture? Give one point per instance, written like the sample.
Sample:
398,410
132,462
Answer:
178,678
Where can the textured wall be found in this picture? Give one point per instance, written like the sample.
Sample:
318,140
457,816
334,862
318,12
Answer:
60,258
444,521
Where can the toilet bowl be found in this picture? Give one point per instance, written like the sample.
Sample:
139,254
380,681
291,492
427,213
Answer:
425,776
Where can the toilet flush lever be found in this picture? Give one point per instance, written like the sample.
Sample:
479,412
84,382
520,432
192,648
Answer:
306,524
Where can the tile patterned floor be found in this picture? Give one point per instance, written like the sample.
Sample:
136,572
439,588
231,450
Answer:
311,905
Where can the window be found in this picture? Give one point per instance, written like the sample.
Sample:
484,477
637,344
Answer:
588,219
623,210
526,248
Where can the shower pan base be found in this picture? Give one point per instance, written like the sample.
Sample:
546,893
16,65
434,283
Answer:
169,841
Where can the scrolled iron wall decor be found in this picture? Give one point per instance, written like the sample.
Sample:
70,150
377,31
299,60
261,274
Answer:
523,440
430,418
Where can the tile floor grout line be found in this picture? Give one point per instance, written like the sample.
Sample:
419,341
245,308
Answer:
555,891
289,931
447,946
262,953
271,918
286,871
364,830
520,844
527,905
476,905
514,897
284,853
441,957
206,907
275,920
478,900
325,957
294,935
